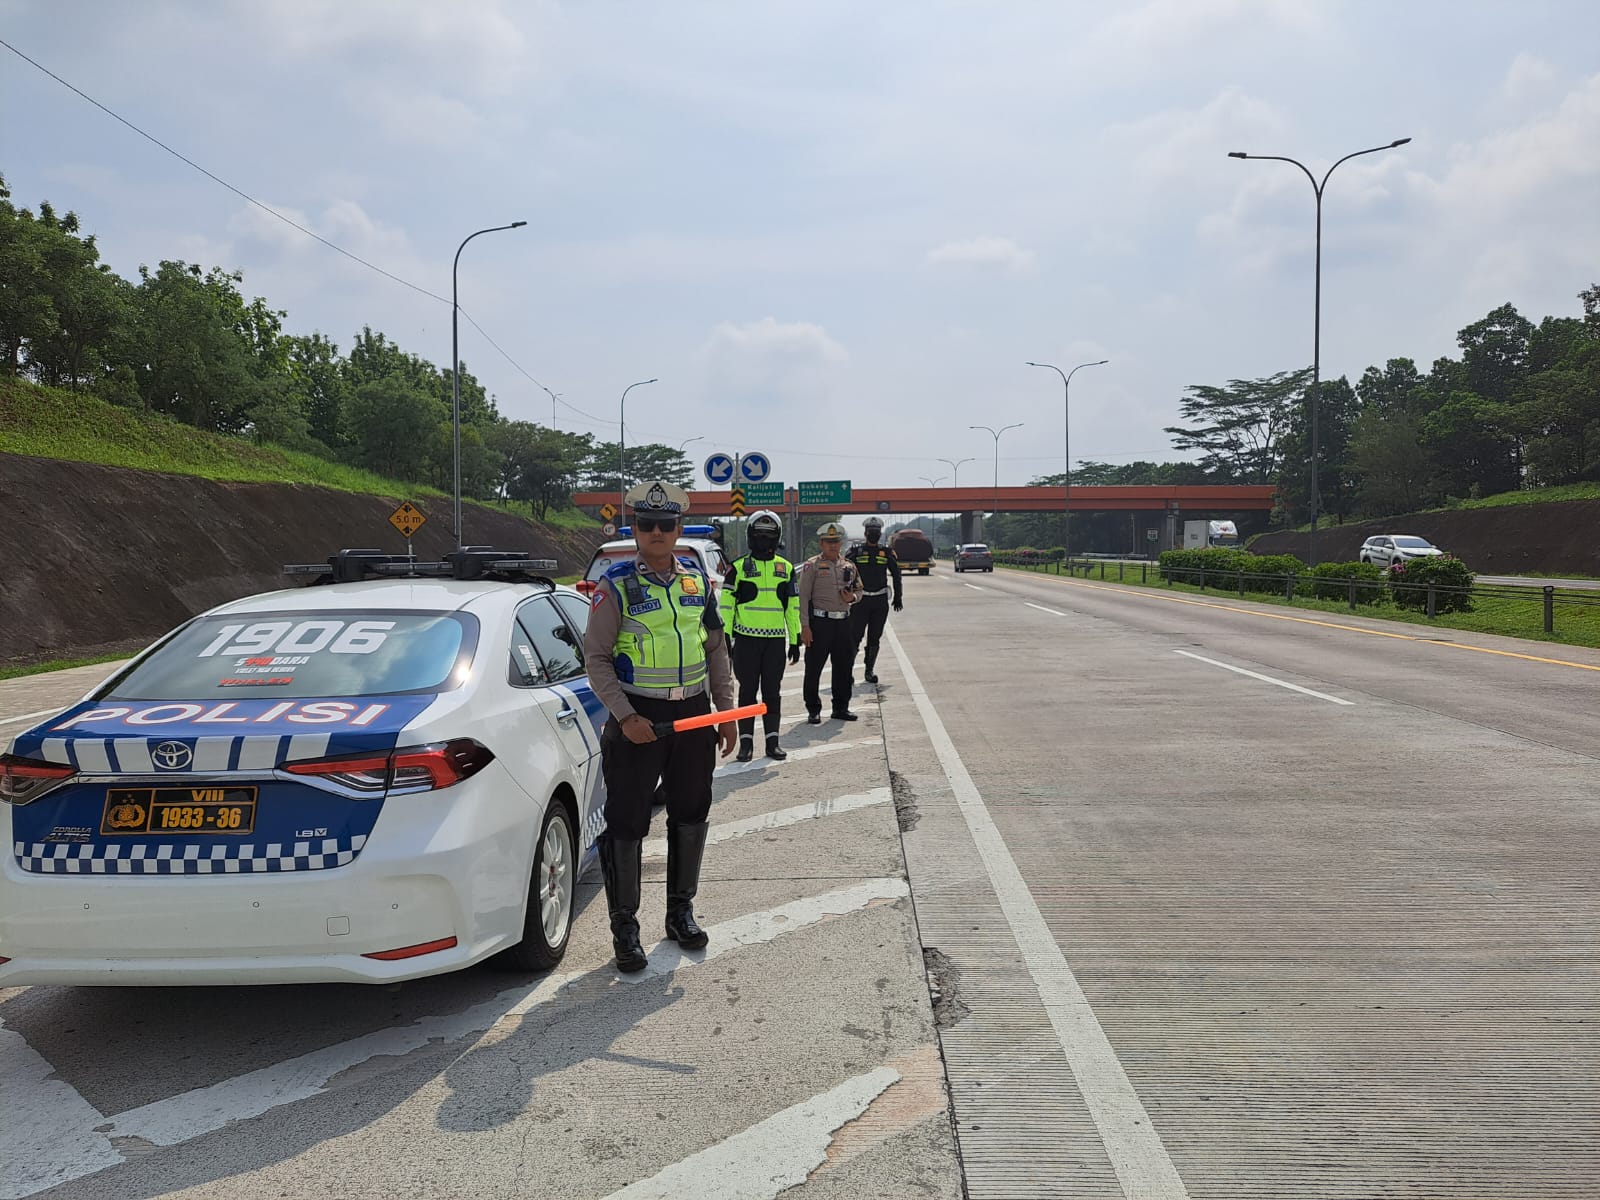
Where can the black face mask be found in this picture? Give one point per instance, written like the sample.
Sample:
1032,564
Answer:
873,535
763,545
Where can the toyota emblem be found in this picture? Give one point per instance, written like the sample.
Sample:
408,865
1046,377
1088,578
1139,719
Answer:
172,756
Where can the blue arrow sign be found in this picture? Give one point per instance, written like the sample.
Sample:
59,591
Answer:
754,467
719,469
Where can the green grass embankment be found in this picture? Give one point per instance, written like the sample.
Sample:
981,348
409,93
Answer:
53,423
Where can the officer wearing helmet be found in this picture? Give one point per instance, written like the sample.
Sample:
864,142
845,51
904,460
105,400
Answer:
829,586
762,612
877,565
655,651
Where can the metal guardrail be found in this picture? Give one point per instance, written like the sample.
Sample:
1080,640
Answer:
1435,596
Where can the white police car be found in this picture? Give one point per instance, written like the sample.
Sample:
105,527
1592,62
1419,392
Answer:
391,777
697,548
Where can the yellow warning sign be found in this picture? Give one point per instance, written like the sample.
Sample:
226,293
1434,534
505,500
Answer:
607,511
736,501
407,518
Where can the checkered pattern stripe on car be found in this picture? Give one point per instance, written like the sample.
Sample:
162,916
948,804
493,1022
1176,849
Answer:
79,858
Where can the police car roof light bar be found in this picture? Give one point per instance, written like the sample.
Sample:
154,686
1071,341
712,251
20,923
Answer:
687,531
468,563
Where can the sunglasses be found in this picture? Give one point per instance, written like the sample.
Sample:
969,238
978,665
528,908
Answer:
651,524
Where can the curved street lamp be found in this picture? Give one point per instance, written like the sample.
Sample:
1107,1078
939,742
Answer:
455,363
955,469
995,433
1066,446
622,448
1316,318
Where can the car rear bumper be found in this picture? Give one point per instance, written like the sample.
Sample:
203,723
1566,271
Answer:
435,868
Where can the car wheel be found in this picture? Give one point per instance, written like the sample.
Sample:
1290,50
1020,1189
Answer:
548,920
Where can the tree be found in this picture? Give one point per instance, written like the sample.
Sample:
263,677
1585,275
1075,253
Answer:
1337,484
1237,428
388,423
649,461
320,386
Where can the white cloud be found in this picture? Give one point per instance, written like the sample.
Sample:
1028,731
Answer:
984,252
771,362
1530,77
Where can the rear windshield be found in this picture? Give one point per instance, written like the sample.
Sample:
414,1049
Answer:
295,655
976,548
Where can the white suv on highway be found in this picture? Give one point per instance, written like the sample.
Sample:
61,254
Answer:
1397,549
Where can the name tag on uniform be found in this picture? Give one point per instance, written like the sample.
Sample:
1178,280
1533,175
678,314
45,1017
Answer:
692,602
635,610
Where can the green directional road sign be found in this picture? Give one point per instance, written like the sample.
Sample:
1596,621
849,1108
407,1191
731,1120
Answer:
763,495
831,492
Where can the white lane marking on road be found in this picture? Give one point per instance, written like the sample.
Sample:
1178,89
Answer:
799,755
1134,1147
1283,683
21,717
1053,611
772,1155
48,1134
179,1118
974,587
729,830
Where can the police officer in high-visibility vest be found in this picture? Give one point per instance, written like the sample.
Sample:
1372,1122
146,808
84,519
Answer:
877,565
655,651
762,612
828,587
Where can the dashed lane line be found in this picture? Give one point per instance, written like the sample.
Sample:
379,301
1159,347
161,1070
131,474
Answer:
974,587
771,1156
728,830
1431,640
1131,1142
56,1159
33,716
1056,612
1283,683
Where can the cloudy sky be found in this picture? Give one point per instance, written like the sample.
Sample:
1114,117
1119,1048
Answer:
835,230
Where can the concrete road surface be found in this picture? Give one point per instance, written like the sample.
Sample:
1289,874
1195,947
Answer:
1117,892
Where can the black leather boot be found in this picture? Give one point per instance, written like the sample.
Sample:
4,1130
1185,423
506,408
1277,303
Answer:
621,864
774,750
686,845
747,747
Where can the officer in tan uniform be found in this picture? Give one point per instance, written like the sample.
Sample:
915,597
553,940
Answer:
829,585
655,651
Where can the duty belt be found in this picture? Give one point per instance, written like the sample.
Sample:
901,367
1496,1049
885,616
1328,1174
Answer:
883,591
832,616
676,693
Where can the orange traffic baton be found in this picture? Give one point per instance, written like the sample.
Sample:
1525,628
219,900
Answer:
662,728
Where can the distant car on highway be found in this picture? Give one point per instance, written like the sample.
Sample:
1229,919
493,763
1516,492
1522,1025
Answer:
1396,549
974,556
391,776
696,546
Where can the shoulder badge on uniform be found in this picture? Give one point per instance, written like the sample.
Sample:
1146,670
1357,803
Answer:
780,568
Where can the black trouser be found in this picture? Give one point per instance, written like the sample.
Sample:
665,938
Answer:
683,762
866,620
830,639
758,663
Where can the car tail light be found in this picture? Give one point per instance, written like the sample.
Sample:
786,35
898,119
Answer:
409,769
23,780
412,951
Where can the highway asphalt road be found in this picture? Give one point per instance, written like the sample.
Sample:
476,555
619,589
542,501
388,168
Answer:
1117,892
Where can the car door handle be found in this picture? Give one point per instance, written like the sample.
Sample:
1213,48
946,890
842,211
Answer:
567,717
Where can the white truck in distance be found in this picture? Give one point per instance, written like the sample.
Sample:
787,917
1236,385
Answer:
1201,535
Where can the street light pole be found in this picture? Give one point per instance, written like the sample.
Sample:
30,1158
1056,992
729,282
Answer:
554,396
1316,319
622,446
455,363
1066,447
686,441
932,483
995,433
955,469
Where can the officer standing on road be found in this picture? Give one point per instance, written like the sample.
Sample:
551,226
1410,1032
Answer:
761,611
876,564
655,651
828,587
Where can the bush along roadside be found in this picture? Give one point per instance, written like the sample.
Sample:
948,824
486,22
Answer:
1442,584
1433,585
